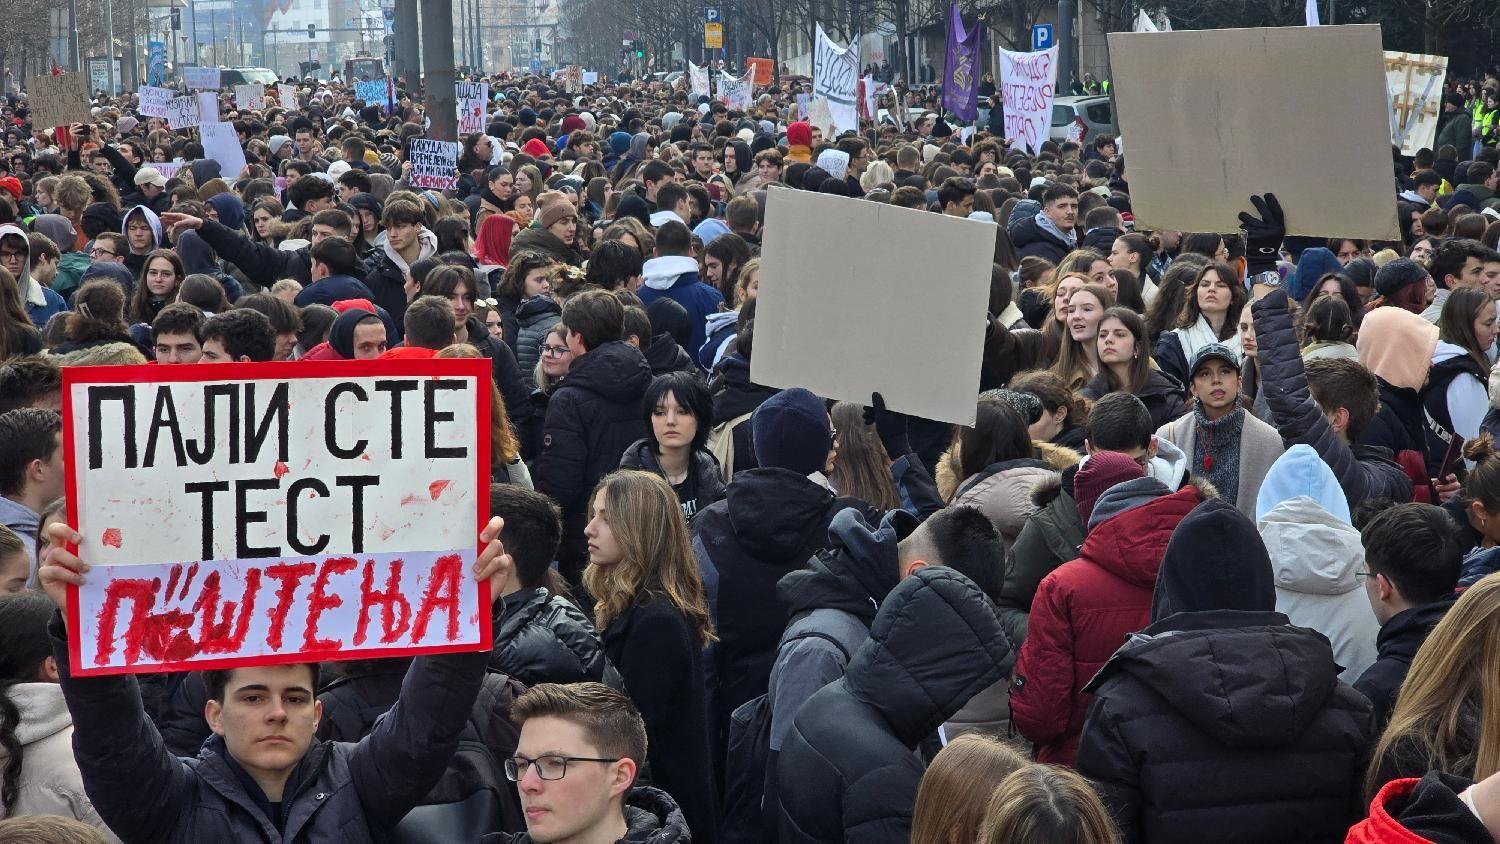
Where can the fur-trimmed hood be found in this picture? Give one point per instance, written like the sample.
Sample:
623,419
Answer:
1058,457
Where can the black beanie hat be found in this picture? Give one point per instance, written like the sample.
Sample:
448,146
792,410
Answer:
1398,274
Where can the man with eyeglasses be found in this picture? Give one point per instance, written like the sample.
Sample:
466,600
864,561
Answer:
575,768
109,247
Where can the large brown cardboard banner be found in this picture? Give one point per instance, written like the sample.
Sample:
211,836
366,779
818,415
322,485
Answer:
1210,117
860,296
59,100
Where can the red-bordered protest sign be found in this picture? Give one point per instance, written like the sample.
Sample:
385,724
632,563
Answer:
251,514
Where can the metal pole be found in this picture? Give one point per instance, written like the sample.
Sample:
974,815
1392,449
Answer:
1067,54
109,44
74,60
437,46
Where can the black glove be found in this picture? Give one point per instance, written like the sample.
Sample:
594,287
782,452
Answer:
889,425
1263,234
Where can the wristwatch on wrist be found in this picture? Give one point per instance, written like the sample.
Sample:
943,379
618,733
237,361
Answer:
1269,278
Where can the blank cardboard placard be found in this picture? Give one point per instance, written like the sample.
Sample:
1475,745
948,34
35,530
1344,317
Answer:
1214,116
859,296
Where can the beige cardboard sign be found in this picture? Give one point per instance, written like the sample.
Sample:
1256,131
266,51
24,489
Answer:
1213,116
59,100
831,270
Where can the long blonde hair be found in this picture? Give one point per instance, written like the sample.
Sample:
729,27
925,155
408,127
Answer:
646,519
1453,672
862,468
952,797
1046,804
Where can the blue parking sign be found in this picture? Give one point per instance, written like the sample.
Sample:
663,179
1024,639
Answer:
711,15
1041,36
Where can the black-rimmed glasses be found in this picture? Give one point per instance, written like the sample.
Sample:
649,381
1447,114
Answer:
547,767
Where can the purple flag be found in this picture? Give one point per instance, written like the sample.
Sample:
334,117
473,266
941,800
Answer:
961,68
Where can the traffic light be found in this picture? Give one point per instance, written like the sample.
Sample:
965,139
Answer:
639,53
312,30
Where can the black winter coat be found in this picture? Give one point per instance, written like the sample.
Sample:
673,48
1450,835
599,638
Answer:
545,638
848,770
388,284
1230,721
660,657
708,479
1363,472
1399,424
651,817
338,793
353,703
664,355
1395,645
1031,239
769,524
1162,395
592,416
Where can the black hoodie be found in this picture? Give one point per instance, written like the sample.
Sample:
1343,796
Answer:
1221,708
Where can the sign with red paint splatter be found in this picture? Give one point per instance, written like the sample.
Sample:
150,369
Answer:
247,514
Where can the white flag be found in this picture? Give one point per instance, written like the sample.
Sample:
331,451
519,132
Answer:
1143,23
1312,13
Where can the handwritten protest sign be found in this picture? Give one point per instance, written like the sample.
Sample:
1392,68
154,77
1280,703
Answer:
153,101
835,161
288,97
473,98
208,105
735,93
1028,83
202,78
182,112
59,100
760,70
273,513
250,96
1416,86
434,164
698,81
1193,103
820,115
591,77
836,79
829,267
166,169
222,144
373,91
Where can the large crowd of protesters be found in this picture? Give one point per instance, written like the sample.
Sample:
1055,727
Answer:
1214,562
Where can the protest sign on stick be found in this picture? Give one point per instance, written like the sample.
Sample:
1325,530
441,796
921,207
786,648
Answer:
250,96
59,100
434,164
1028,84
836,79
153,101
735,93
472,98
1416,87
202,78
277,512
182,112
1193,106
830,268
760,70
222,144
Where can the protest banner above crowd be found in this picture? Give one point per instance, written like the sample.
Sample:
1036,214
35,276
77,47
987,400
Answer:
259,529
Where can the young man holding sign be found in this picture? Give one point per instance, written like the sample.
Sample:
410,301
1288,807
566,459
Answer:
261,777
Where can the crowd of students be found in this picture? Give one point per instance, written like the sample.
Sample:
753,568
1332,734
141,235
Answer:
1215,559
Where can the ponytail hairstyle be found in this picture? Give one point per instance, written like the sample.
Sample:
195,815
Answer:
1482,484
1141,248
1171,290
24,647
1327,320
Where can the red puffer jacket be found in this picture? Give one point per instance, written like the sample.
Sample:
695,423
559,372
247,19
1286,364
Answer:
1082,613
1420,811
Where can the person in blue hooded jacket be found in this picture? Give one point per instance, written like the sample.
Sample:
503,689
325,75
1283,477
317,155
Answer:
673,273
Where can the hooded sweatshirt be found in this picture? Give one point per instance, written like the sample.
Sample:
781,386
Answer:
1397,346
40,302
1316,556
676,277
50,783
133,259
